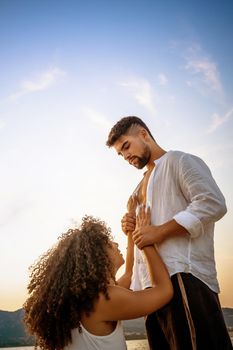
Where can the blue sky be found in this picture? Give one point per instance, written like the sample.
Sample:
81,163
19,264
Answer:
69,70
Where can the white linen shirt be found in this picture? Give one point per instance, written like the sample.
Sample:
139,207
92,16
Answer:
182,188
88,341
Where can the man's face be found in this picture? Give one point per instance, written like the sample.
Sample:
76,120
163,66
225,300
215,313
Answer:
133,149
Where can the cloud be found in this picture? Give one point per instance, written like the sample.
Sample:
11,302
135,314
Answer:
97,118
217,120
141,91
162,79
41,82
207,70
204,70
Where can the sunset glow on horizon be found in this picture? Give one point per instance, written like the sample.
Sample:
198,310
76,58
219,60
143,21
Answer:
69,70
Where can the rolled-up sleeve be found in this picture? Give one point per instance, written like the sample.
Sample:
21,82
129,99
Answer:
206,202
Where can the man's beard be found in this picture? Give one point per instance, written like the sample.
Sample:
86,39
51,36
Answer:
143,159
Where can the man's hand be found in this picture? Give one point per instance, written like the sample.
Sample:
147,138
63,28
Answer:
144,236
148,234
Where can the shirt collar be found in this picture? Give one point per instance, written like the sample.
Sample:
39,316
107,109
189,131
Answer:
157,161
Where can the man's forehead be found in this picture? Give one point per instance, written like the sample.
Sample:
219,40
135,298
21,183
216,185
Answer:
119,142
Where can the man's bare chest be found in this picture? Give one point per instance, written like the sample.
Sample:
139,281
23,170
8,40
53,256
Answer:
142,188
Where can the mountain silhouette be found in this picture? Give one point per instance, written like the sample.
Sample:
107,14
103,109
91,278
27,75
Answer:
13,332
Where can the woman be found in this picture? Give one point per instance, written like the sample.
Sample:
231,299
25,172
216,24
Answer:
75,301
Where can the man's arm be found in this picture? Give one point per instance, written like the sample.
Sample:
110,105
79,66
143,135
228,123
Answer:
152,234
206,204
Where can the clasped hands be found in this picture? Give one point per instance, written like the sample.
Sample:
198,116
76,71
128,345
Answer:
143,233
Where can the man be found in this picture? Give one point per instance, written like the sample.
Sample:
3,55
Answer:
185,203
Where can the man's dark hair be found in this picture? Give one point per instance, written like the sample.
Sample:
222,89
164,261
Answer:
121,128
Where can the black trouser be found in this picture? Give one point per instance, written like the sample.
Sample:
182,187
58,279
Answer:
168,327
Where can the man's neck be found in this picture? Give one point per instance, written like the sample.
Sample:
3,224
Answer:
155,154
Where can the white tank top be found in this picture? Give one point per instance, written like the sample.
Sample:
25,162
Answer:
89,341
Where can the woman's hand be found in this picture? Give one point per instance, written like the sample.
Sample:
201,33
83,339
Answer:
144,217
143,234
132,204
128,222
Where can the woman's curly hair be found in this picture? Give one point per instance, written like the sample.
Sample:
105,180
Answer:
66,281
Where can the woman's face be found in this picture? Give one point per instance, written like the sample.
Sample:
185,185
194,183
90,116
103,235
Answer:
115,255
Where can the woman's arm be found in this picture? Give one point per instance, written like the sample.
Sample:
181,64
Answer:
139,303
124,304
125,279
